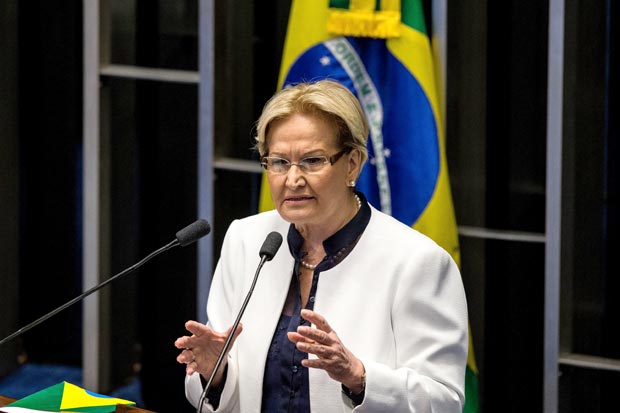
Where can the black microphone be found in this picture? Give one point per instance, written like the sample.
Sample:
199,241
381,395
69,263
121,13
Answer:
270,246
267,252
193,232
184,237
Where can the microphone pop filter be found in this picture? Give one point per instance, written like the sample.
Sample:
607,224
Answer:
271,245
193,232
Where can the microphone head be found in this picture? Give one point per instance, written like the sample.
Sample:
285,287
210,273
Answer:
270,246
193,232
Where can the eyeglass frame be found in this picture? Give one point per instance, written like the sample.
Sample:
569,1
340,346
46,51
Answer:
327,159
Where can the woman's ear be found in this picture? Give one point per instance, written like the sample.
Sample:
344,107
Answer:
355,162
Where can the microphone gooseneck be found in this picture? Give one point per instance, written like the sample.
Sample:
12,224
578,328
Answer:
188,235
267,252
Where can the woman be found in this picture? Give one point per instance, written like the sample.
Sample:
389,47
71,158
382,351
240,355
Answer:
358,311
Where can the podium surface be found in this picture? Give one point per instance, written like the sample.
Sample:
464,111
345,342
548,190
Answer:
119,407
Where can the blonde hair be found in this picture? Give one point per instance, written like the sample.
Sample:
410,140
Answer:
326,98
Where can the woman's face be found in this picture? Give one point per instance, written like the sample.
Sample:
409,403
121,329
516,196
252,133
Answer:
320,198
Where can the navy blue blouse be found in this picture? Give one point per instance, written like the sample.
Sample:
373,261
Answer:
286,382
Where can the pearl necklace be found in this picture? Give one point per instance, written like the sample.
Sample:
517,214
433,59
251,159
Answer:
307,265
313,266
359,202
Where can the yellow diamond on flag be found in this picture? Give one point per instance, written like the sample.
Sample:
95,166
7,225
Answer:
67,397
75,397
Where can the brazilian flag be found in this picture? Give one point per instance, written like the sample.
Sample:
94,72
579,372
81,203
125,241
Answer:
66,397
381,51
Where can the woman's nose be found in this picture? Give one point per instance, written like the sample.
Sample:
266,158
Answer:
295,177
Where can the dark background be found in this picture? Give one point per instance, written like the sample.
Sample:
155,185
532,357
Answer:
496,107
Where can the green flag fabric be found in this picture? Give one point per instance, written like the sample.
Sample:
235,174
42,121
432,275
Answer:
66,397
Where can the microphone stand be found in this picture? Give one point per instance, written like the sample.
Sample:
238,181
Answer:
264,258
89,292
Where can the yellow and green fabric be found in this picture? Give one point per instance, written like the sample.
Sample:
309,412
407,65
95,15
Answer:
381,51
67,397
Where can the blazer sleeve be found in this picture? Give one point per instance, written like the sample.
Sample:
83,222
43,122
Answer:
429,323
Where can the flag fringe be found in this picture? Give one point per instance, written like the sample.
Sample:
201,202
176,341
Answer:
360,23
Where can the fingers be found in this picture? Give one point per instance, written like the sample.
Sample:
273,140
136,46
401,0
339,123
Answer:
200,350
237,331
295,337
196,328
191,368
315,335
322,364
200,334
322,334
186,356
181,343
189,342
321,341
319,350
316,319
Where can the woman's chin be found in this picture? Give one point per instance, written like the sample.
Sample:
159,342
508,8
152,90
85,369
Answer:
295,215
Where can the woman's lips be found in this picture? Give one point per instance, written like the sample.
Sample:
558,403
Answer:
298,199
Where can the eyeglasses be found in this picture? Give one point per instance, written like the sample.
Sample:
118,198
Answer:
309,164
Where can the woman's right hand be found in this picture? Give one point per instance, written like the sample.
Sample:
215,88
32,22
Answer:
201,350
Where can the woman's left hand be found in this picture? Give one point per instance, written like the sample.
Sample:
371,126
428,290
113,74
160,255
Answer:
333,356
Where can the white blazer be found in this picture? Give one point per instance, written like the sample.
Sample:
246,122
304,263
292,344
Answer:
396,301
